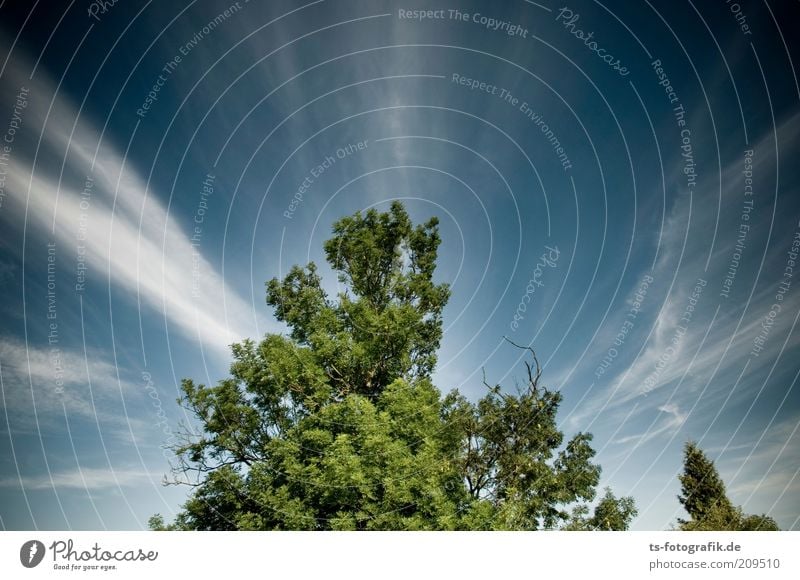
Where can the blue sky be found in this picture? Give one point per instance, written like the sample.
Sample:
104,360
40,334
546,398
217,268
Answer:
151,185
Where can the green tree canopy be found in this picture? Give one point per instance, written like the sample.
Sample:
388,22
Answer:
387,322
704,497
338,426
610,513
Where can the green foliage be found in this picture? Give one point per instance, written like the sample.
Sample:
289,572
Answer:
508,456
338,426
390,326
757,523
732,519
704,498
157,524
611,513
702,489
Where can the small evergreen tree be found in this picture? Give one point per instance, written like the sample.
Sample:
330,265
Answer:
704,498
702,489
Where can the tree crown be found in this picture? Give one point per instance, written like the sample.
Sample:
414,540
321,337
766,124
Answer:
338,426
704,498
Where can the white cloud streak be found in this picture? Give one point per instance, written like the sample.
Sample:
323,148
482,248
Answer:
131,239
693,356
86,478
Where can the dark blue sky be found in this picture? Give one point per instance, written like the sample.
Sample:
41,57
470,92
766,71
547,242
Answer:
616,185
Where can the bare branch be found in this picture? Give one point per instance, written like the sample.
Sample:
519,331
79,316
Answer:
487,385
533,376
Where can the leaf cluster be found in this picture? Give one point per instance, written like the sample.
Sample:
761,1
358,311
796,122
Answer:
338,426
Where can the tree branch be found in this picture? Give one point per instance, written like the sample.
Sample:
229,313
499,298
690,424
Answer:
533,378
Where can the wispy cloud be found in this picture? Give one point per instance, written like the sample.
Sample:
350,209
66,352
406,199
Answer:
696,352
91,391
774,461
131,239
670,419
86,478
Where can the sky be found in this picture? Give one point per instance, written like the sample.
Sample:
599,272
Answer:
616,185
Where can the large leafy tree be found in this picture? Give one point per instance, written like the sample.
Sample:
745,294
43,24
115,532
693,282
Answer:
338,426
704,498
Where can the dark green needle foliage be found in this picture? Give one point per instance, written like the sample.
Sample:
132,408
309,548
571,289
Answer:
704,497
338,426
